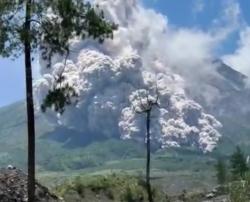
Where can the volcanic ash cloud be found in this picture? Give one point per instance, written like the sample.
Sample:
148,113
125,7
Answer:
113,78
108,88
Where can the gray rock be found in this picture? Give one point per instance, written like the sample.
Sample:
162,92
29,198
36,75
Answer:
13,187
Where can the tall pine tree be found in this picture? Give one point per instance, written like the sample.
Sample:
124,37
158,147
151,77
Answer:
29,26
239,165
221,172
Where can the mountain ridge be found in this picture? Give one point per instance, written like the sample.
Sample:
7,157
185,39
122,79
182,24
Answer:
13,130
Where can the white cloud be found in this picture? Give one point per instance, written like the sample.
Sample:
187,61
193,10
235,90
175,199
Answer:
198,7
240,59
230,19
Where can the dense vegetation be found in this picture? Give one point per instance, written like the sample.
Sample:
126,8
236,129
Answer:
116,187
233,176
119,188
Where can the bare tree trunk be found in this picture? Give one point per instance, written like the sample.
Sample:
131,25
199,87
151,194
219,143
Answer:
30,106
150,197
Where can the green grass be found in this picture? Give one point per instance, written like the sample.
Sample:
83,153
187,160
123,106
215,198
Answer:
118,187
171,174
113,187
59,157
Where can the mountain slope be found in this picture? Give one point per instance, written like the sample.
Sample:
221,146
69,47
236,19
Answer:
66,148
60,149
231,107
57,148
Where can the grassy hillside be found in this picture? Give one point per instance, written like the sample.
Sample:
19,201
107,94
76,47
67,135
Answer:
63,153
235,132
119,188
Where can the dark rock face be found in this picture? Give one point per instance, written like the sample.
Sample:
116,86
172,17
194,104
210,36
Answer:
13,188
230,75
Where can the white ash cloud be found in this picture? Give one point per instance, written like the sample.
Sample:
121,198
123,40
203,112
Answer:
145,50
177,121
240,59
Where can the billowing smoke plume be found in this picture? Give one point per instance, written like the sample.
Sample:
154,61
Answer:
240,59
108,78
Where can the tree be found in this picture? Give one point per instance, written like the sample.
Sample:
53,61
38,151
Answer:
221,172
145,107
29,26
238,164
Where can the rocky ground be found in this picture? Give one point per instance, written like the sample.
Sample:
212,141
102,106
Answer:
223,198
218,194
13,187
218,199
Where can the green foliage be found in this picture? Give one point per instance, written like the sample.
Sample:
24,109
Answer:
50,30
118,188
94,155
132,194
52,24
58,98
221,172
239,186
239,166
239,191
70,19
10,28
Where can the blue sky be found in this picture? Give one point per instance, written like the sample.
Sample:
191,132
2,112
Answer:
12,86
200,14
197,14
